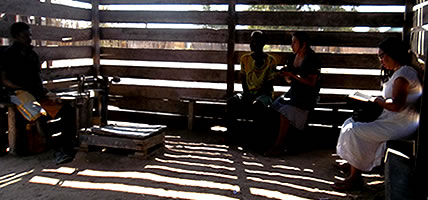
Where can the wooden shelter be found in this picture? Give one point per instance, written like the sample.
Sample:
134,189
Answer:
162,68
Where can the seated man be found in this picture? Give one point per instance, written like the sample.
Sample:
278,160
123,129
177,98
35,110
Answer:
258,70
20,75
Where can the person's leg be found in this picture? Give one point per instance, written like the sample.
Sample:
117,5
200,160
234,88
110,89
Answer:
353,181
278,146
21,143
67,122
232,112
61,133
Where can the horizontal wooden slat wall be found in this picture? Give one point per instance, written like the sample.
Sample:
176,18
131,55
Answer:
419,33
149,97
53,38
185,52
328,2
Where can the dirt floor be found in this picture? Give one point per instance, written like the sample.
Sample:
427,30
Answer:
191,165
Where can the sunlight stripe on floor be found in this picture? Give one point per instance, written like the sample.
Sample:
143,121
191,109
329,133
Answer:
160,167
160,179
298,187
196,164
274,194
290,176
160,192
198,157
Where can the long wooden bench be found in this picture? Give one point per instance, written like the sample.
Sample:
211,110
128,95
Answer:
326,115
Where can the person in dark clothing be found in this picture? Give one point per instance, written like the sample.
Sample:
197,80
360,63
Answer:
20,69
303,74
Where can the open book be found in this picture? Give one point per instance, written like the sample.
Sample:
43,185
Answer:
362,97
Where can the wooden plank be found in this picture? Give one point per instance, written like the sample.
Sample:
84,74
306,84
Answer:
175,107
161,73
340,81
425,15
344,81
356,61
148,117
170,93
164,55
231,48
320,19
327,19
68,72
190,114
290,2
179,35
422,138
326,98
113,142
360,61
324,2
323,38
323,117
408,21
61,86
36,8
65,52
12,130
50,33
149,104
331,60
189,17
96,38
345,39
219,76
131,132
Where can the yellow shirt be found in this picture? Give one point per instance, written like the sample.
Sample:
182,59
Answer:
256,76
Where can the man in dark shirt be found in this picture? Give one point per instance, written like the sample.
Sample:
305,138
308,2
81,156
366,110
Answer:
20,70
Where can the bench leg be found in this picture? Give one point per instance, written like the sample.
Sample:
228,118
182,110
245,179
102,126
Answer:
11,122
190,115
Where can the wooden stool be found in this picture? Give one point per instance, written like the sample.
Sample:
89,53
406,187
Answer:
142,138
23,138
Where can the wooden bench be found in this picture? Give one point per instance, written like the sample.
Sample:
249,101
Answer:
331,113
143,139
192,101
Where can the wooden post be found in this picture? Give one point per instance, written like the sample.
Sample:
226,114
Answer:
231,49
96,56
191,114
96,35
408,21
11,121
421,165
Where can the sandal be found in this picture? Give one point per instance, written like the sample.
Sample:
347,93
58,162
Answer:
348,185
345,167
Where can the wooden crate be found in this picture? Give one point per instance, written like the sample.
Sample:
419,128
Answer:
143,139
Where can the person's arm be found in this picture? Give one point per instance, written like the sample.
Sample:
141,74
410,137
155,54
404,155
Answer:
6,82
243,75
244,84
310,79
400,91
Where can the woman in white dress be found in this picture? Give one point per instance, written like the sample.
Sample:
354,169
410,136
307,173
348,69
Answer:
362,144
